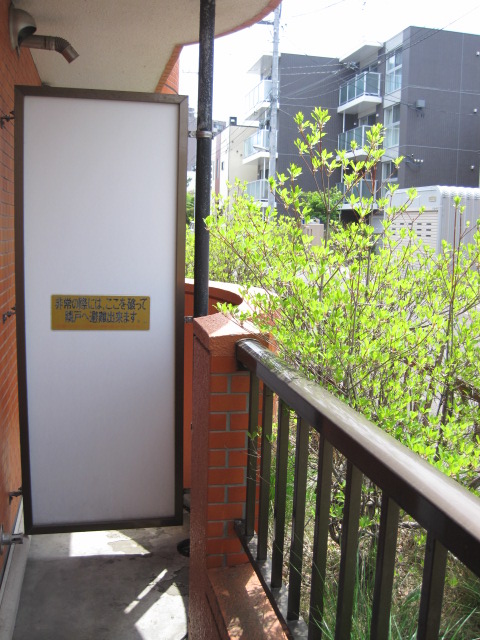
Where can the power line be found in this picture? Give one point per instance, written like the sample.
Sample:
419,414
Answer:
328,6
289,97
408,43
328,84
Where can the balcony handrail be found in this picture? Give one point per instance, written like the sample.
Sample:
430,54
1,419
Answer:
366,83
364,188
445,509
256,143
258,189
359,134
260,93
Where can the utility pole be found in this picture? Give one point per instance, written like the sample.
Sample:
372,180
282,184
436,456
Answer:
272,164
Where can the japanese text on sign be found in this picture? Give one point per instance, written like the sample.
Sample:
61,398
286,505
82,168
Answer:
117,313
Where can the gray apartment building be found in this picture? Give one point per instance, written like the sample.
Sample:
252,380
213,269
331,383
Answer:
423,85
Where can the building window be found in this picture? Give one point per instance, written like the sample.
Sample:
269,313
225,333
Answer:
393,74
389,175
367,121
392,126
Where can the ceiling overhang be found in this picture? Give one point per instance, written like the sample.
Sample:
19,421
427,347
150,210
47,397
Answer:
127,45
364,52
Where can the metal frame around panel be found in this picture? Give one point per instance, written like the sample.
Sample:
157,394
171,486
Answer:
93,94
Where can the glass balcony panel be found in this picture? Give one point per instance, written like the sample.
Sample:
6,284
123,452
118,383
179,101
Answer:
260,93
367,83
372,84
258,189
363,189
351,91
259,141
360,85
358,134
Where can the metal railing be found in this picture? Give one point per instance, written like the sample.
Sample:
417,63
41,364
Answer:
258,189
448,512
363,188
358,134
258,142
258,95
364,84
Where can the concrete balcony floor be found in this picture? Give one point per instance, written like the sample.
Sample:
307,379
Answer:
107,585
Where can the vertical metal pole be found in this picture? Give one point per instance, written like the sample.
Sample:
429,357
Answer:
252,459
272,164
204,155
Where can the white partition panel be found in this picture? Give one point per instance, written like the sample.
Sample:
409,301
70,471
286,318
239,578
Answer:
99,192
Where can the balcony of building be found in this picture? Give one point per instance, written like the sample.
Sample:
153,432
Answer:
257,146
362,189
129,584
258,190
133,585
258,100
360,92
358,136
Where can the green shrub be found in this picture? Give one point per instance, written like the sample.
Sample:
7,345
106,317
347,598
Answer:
379,320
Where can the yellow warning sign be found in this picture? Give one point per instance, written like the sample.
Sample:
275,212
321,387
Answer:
100,313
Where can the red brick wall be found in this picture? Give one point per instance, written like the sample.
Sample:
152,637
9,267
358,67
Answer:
224,293
173,81
170,78
219,458
13,70
227,460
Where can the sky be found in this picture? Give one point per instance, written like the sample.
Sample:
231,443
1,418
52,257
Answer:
331,28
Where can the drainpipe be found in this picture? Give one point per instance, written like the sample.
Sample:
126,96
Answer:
204,156
51,43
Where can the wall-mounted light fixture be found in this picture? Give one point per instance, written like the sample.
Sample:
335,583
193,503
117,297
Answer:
409,160
22,28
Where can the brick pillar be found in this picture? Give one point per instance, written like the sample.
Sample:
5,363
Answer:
14,70
219,458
